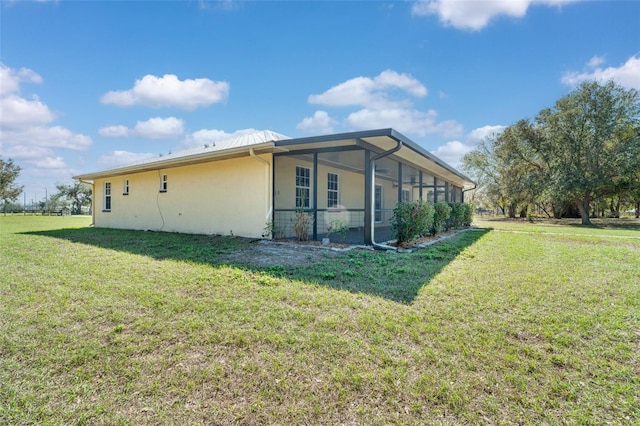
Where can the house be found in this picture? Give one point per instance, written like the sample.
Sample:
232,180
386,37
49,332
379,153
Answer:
259,181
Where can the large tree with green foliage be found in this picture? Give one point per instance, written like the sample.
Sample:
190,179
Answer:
585,148
590,141
508,169
79,193
8,174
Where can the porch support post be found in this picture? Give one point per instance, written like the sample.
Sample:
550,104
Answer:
420,183
446,191
435,189
315,196
368,198
399,181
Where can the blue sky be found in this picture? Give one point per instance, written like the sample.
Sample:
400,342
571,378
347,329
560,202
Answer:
86,86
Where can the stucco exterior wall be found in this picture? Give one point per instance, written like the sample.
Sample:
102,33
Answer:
221,197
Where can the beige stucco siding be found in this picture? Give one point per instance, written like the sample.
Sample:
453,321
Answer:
221,197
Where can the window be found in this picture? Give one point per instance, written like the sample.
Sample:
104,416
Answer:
378,203
406,197
106,197
303,184
332,190
163,183
125,188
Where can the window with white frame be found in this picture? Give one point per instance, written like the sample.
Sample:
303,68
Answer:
163,183
303,186
106,197
332,190
406,196
125,187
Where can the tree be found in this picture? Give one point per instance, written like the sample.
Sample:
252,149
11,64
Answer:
8,174
591,142
79,193
508,169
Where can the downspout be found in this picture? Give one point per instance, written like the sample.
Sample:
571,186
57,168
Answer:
93,201
267,175
372,189
475,185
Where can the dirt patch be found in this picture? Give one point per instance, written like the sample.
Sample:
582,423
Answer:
265,253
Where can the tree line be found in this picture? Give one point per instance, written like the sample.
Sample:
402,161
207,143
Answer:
72,197
579,158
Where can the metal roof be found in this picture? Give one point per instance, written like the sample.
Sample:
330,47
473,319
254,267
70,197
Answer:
267,141
193,155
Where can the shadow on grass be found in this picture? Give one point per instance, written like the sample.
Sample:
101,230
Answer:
396,277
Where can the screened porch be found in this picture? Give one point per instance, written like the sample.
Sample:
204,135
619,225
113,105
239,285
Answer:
328,183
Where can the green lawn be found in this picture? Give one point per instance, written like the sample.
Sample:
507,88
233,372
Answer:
517,323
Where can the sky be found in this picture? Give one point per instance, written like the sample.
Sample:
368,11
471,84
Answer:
91,85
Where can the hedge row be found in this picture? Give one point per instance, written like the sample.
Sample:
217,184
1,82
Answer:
420,218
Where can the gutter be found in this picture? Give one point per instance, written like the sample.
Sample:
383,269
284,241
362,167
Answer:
373,182
93,200
267,174
475,185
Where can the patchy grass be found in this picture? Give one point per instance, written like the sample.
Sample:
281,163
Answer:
515,326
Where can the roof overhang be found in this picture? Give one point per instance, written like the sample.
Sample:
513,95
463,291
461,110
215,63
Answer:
178,161
379,141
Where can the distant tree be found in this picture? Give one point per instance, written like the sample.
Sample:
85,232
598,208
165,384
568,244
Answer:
8,174
508,169
584,151
591,142
79,194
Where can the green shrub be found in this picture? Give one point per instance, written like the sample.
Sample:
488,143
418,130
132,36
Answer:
441,214
412,220
456,217
467,216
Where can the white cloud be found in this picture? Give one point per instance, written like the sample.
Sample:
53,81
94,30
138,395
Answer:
370,92
114,131
50,137
156,128
210,136
475,15
627,74
18,112
160,128
10,79
477,135
169,91
25,125
453,151
319,122
122,158
49,163
405,120
596,61
385,101
27,152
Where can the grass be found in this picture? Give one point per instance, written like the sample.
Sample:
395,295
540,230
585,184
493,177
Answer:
523,324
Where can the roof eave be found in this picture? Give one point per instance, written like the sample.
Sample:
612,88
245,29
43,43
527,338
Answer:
389,132
179,161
